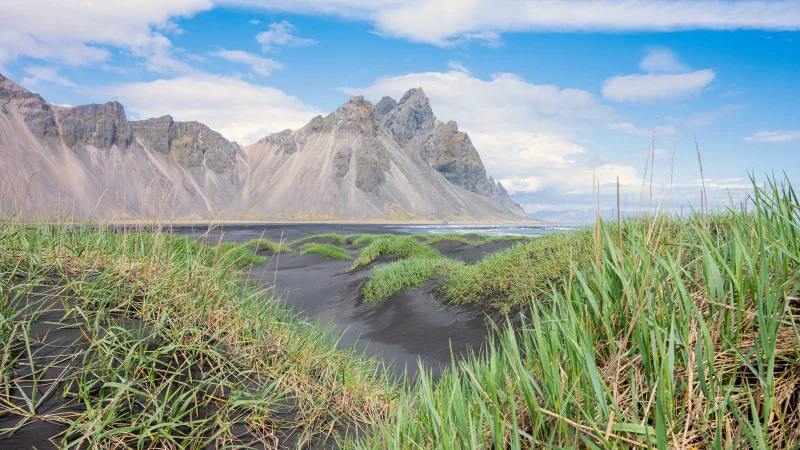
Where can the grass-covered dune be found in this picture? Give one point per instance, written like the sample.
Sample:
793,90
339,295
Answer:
153,341
681,334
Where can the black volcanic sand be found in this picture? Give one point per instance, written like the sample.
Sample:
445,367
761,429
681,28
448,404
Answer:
470,254
58,343
409,326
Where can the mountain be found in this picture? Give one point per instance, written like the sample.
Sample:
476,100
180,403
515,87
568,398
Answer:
391,161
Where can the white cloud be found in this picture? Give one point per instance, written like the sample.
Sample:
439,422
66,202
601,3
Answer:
774,137
280,35
260,65
81,33
254,22
579,182
77,33
653,87
42,73
458,65
444,22
237,109
524,132
662,60
630,128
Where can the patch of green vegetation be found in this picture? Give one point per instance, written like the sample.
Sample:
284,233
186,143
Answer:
404,246
681,334
431,239
327,250
339,238
368,238
239,254
170,351
413,272
266,245
512,277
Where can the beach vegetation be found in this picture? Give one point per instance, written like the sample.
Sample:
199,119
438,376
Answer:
326,250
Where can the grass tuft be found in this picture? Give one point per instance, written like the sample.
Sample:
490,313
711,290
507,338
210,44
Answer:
413,272
327,250
404,246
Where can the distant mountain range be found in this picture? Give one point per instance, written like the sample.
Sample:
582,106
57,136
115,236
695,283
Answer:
390,161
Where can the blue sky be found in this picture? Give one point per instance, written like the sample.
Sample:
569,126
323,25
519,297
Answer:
554,94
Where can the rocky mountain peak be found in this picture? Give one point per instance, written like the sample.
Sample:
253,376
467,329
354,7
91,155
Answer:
384,107
499,194
101,126
357,115
37,113
191,144
411,116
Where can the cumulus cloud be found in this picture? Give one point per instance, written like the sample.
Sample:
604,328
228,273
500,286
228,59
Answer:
239,110
77,33
662,60
280,34
666,79
524,132
35,74
259,64
646,88
774,137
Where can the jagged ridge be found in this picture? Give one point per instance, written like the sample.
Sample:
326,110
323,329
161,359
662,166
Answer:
389,161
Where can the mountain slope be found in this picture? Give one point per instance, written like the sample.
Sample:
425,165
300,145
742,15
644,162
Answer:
394,161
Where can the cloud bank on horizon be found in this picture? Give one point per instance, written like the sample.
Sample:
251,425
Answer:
556,95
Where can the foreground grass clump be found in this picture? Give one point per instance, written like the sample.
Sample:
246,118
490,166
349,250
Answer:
509,278
327,250
368,238
680,335
263,244
338,238
414,272
150,342
404,246
239,255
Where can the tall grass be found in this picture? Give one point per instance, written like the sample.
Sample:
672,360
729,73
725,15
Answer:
167,348
686,335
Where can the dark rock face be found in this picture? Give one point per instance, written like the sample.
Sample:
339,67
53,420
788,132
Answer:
284,140
372,163
451,153
191,143
341,162
499,194
356,119
355,116
38,114
411,117
101,126
154,133
384,107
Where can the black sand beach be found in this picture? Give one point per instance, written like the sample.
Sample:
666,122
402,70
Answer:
408,327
